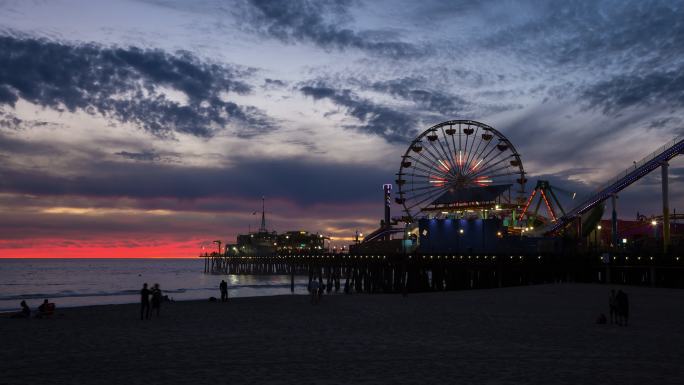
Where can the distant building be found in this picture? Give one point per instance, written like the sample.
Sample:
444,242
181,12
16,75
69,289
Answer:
265,243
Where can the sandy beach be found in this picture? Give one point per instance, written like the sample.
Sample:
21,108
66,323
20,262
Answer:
536,334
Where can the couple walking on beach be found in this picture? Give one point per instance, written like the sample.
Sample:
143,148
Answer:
619,307
145,294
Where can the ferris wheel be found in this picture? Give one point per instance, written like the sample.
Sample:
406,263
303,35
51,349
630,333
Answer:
457,156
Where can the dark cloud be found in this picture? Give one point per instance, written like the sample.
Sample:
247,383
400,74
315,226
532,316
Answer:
149,156
295,180
124,84
664,89
412,89
322,23
391,124
664,122
601,33
273,83
146,156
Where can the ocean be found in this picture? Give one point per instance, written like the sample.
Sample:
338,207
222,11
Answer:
82,282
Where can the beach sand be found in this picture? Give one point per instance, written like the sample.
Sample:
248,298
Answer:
535,334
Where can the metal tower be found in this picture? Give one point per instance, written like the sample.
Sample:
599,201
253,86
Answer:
263,229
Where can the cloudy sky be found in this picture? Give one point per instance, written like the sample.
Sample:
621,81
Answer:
149,128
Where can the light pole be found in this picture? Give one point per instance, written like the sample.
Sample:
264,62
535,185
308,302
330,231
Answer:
598,229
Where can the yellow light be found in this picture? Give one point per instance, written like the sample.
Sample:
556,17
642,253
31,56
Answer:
654,222
497,207
460,231
598,227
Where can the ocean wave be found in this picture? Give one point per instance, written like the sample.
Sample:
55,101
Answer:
76,293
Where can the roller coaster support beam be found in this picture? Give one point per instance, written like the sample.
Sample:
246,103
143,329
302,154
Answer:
666,205
613,221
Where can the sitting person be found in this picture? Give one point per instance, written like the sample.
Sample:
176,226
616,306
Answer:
25,311
46,309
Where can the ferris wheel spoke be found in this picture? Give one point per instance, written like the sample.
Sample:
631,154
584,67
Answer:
426,196
471,156
429,168
432,154
489,168
463,151
435,162
472,144
494,161
432,166
484,161
446,152
470,168
450,151
441,155
453,143
427,175
419,191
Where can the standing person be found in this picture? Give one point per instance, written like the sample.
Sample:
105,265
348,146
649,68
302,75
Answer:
223,286
623,306
145,302
156,298
612,304
314,291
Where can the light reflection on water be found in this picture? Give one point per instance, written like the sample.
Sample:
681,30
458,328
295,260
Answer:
80,282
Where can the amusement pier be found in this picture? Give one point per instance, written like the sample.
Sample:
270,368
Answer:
471,219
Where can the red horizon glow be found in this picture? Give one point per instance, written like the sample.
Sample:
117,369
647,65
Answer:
176,250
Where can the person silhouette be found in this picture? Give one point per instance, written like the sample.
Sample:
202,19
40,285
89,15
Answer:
25,311
223,286
145,302
612,305
156,298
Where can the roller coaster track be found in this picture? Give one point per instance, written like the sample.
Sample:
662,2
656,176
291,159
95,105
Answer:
649,163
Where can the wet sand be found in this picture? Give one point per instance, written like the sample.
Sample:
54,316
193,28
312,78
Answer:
536,334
